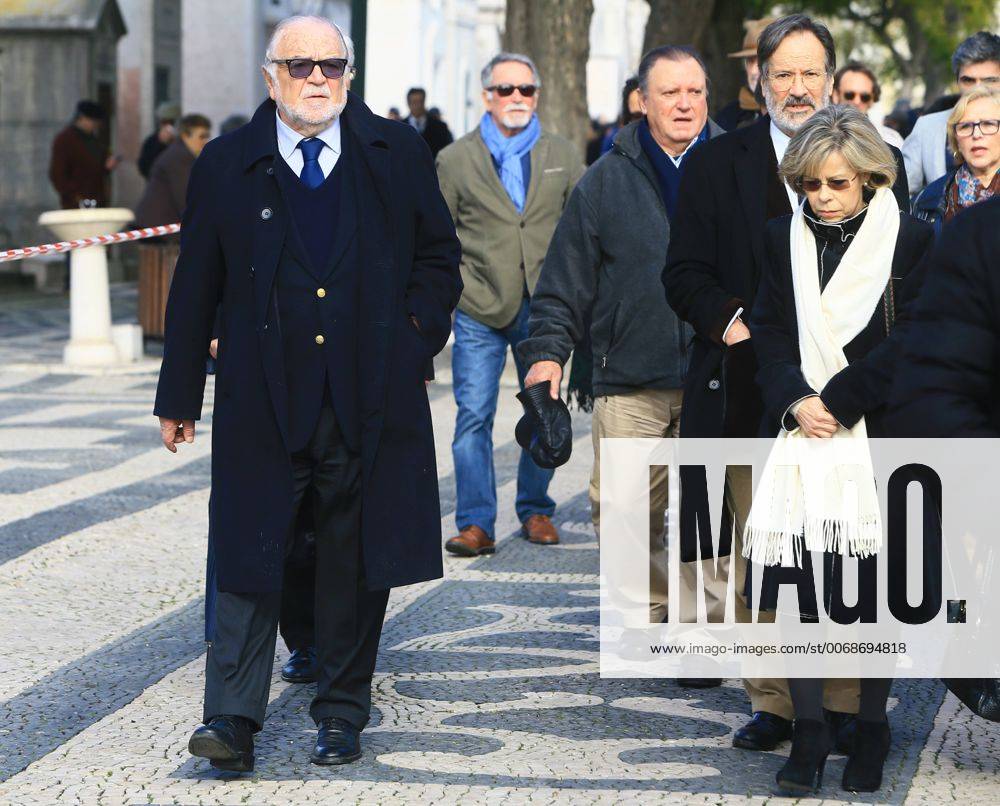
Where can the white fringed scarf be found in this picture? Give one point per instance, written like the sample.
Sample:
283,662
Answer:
820,493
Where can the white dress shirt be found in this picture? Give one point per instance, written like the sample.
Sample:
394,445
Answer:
289,139
780,141
679,159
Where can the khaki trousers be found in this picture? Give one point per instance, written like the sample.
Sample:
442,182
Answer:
652,413
767,693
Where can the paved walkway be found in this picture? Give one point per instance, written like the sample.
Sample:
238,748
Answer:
487,688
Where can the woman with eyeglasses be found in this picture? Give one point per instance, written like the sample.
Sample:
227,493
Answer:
974,140
837,274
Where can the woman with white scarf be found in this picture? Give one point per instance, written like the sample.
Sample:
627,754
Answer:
839,274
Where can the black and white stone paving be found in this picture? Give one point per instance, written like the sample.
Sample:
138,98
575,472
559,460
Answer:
487,688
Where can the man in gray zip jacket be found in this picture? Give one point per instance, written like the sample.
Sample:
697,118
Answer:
605,260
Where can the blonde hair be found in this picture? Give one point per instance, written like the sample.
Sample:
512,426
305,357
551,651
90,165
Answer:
980,92
838,129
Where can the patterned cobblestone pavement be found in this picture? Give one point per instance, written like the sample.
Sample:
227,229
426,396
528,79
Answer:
487,688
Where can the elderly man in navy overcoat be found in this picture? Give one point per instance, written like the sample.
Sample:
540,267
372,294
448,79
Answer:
321,230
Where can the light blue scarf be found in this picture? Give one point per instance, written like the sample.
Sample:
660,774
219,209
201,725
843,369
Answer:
508,151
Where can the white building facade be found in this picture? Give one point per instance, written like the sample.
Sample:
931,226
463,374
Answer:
441,45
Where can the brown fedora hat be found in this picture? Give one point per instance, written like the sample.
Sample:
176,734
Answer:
754,28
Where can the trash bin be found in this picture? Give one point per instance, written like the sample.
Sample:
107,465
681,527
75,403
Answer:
156,269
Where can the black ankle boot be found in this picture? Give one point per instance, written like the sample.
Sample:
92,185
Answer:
811,744
863,772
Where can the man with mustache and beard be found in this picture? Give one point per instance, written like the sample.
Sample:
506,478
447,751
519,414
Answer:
729,190
506,184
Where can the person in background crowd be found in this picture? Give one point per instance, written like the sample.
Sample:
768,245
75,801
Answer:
975,61
232,123
596,266
394,113
434,130
505,228
304,367
944,103
747,107
855,84
596,141
80,162
165,194
729,189
631,110
900,118
166,132
829,373
974,140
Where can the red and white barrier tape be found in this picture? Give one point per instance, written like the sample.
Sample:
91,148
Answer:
96,240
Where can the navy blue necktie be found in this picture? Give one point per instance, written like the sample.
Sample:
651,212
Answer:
311,174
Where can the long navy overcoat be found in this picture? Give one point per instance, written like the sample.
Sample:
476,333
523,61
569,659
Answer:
234,228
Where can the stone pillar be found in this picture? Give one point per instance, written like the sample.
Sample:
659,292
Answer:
90,342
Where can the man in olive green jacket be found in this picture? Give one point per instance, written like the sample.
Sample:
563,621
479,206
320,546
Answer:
506,184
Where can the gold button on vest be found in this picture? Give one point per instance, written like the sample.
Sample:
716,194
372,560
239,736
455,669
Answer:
319,339
321,292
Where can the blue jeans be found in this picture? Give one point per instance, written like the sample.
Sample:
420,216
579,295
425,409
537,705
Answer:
477,360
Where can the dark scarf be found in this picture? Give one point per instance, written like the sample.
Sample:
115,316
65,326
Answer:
667,173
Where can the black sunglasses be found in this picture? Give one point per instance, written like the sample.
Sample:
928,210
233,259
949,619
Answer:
505,90
865,96
302,68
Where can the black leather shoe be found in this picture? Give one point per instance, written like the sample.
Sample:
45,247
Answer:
301,666
843,727
863,772
226,741
699,682
338,742
764,732
811,744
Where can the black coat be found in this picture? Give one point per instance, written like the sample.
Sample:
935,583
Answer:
436,134
947,383
860,389
714,265
234,229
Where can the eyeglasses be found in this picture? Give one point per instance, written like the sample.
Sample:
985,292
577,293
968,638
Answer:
812,185
783,79
971,81
302,68
506,90
849,95
986,127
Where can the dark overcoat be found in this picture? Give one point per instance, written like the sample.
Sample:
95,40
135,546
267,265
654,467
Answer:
861,389
947,383
234,228
714,267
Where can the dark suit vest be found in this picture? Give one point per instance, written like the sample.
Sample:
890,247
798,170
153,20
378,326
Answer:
317,290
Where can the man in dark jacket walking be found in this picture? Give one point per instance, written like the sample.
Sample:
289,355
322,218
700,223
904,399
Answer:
596,269
321,231
80,161
730,188
163,200
435,131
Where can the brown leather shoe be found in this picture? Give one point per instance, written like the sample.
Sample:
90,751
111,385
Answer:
539,529
471,542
